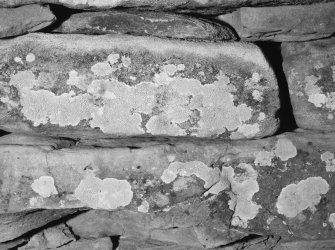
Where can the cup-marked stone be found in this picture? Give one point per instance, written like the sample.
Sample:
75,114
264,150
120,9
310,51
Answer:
102,86
310,72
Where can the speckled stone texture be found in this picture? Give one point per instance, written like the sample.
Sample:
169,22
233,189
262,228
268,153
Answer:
115,86
192,192
202,6
24,19
310,72
284,23
159,24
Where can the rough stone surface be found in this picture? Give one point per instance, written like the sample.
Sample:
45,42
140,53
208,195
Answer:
284,23
202,6
24,19
193,193
14,225
310,72
157,24
102,86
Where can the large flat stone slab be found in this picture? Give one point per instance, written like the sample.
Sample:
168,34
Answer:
24,19
310,72
208,7
213,193
159,24
114,86
284,23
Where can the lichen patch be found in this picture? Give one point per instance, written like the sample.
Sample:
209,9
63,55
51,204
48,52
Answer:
30,58
285,149
331,219
197,168
243,188
115,94
328,158
108,193
44,186
295,198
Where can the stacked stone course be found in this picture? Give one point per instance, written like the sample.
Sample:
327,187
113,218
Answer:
137,125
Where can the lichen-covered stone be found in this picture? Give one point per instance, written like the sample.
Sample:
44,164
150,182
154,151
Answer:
158,24
24,19
310,72
212,192
284,23
202,6
103,86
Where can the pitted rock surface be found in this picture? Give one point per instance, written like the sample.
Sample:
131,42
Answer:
157,24
281,185
201,6
101,86
24,19
310,72
284,23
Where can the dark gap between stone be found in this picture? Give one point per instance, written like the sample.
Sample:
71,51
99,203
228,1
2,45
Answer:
116,241
62,13
272,52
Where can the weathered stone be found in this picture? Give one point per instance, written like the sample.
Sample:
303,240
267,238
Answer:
285,23
208,7
158,24
24,19
14,225
50,238
310,72
214,192
111,86
306,245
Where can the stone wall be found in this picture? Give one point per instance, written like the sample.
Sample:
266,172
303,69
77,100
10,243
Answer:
157,125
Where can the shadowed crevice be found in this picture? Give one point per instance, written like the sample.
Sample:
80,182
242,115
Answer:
272,52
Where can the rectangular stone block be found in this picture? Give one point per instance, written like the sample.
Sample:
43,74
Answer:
310,72
283,23
212,192
115,86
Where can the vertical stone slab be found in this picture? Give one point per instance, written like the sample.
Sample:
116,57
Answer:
117,86
310,72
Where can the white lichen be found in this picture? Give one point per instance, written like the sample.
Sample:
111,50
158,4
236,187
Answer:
171,103
295,198
197,168
30,58
243,187
144,207
108,193
284,150
328,158
331,219
44,186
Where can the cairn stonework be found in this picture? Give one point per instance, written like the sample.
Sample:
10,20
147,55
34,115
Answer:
167,125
